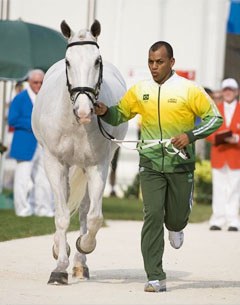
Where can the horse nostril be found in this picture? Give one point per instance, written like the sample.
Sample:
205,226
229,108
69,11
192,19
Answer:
91,110
75,112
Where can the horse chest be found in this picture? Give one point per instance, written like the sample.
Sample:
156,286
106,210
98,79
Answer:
81,149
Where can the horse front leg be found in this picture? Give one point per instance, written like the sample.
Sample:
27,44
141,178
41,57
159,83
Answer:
80,268
86,243
58,177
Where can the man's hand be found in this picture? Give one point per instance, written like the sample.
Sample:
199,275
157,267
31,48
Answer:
100,108
180,141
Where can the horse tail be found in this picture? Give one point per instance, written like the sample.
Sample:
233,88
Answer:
78,183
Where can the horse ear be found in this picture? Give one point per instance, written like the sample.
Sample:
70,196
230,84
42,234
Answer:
96,28
65,29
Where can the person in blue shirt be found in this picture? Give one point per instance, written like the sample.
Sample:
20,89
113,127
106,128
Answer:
24,149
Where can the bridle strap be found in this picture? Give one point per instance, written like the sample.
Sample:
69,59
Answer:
76,91
80,43
103,131
86,93
82,90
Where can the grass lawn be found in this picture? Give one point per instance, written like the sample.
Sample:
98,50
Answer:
13,227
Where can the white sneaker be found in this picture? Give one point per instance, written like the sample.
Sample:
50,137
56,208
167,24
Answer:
176,239
155,286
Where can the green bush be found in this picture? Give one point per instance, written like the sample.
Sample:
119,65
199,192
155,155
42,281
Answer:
203,182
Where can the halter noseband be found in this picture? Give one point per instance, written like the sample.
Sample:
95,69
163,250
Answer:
76,91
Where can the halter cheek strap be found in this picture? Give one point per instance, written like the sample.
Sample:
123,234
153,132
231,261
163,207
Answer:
76,91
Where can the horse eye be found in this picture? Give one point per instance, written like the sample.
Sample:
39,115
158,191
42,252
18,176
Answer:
97,62
67,63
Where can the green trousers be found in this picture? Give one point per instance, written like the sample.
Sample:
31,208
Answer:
167,199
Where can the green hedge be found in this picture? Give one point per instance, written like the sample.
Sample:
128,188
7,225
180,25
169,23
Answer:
203,182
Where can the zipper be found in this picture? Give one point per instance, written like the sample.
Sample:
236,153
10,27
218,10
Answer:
159,124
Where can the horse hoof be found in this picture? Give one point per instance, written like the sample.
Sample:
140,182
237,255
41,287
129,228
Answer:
78,246
55,255
81,273
58,278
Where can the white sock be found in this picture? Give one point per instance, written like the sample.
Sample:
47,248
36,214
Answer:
153,282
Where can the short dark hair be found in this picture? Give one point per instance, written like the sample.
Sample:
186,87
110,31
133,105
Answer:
157,45
208,90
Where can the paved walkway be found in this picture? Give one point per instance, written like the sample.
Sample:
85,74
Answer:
206,270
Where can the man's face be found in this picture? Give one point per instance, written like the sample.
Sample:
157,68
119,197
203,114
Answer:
35,82
160,65
229,94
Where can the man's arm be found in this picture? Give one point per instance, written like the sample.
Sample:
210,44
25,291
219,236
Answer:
116,114
205,108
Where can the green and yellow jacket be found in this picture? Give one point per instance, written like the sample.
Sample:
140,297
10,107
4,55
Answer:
166,111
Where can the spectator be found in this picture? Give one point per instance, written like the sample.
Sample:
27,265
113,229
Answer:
225,161
19,87
217,96
24,150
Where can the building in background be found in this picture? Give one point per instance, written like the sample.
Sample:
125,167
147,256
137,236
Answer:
195,29
232,55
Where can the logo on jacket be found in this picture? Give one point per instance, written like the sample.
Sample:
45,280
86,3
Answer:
172,100
145,97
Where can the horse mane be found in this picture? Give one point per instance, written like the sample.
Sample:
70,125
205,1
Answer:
82,34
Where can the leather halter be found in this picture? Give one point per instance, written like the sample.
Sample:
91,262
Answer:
89,91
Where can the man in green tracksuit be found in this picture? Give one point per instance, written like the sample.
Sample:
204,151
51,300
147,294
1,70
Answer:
168,105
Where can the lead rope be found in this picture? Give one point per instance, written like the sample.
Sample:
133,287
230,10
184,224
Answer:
149,143
103,131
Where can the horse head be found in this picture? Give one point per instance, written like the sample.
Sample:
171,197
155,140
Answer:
83,69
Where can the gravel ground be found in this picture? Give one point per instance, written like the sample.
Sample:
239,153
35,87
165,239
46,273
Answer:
206,270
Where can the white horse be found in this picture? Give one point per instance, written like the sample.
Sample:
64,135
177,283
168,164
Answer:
76,154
